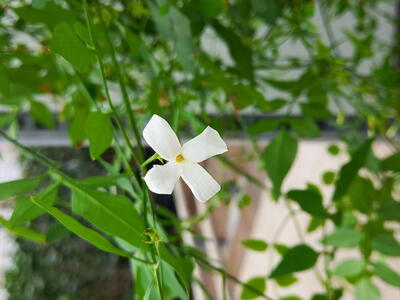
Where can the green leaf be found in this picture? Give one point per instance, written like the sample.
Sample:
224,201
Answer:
153,98
309,200
349,268
114,214
240,52
24,232
391,163
291,298
66,43
278,158
25,210
101,181
83,32
243,95
40,4
182,265
76,132
244,201
5,89
41,114
208,8
315,110
175,26
267,10
145,287
366,290
304,127
18,187
289,86
256,245
6,119
286,280
328,177
99,133
171,284
51,14
123,182
271,105
117,216
349,171
343,237
389,210
315,223
56,232
386,274
144,283
297,258
257,289
80,230
386,244
333,149
263,126
362,194
281,248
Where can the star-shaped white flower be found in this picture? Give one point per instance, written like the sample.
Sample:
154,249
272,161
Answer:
182,160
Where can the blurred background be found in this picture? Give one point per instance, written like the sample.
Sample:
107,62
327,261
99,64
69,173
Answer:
325,71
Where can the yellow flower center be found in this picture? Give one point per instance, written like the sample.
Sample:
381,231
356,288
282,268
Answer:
179,158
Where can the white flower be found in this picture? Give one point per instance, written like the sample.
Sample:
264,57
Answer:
182,160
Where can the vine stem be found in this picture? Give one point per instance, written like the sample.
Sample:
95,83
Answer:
125,96
147,203
104,80
127,165
138,160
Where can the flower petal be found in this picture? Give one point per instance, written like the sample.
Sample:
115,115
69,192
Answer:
162,179
205,145
201,183
160,136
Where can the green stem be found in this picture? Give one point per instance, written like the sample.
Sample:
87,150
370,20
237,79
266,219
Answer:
127,165
326,266
251,138
103,77
125,96
158,272
35,155
246,175
224,295
126,101
152,158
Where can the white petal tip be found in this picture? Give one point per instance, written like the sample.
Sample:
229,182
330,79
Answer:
161,179
207,198
201,183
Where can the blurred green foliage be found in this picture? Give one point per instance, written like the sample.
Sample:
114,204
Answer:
103,68
67,268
